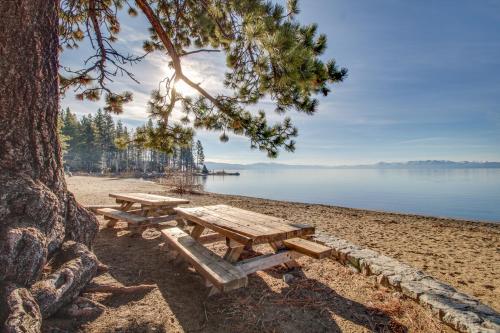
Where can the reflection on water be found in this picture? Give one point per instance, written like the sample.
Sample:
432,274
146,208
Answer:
460,193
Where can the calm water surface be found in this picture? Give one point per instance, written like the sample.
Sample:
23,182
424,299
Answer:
460,193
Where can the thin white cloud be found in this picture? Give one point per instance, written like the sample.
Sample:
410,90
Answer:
424,140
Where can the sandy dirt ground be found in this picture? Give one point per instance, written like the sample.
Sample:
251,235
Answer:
323,297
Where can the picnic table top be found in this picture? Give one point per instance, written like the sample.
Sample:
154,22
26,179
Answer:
149,199
244,226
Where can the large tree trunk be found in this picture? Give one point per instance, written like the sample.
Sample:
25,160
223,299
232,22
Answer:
37,213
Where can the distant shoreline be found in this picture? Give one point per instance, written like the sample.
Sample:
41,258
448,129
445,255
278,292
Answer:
430,164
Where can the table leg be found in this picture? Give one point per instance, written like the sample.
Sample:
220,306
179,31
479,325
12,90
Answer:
125,205
137,230
170,211
181,223
111,222
234,251
280,246
147,211
197,231
213,291
232,255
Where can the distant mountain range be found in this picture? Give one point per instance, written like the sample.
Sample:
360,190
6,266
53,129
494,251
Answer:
430,164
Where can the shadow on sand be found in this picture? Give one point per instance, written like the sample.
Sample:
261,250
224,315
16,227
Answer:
304,305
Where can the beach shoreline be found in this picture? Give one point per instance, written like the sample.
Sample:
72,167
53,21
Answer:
463,253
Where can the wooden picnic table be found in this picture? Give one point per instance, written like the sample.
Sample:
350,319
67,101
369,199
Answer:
150,203
241,229
243,226
153,210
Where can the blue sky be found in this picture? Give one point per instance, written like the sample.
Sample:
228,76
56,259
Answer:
424,83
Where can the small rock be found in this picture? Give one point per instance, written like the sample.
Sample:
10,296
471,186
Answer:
287,278
397,295
171,255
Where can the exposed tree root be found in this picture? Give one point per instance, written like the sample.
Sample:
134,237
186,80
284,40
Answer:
62,286
101,268
81,225
109,288
40,225
18,310
40,221
82,307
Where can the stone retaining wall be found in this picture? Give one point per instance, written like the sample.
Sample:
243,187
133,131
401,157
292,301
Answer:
458,310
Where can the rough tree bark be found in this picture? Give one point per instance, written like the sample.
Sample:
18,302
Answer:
39,218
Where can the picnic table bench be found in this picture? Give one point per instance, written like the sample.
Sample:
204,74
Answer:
153,209
240,228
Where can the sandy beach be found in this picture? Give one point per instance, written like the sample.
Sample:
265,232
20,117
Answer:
463,254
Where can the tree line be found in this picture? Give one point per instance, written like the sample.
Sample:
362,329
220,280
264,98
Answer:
98,143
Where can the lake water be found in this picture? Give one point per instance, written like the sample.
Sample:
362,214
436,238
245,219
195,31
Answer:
459,193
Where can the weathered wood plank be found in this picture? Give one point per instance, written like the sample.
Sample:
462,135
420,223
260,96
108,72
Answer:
133,216
234,251
257,233
197,231
126,205
121,215
219,272
267,220
94,208
252,226
111,222
160,219
280,247
259,227
209,223
149,199
309,248
211,238
267,261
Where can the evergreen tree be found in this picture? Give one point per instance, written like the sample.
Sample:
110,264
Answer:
98,142
89,145
108,140
41,220
200,155
126,138
63,139
70,128
269,55
204,170
119,135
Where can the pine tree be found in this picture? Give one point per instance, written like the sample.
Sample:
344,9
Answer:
119,135
70,128
89,145
108,140
204,170
63,139
41,219
98,139
269,54
200,155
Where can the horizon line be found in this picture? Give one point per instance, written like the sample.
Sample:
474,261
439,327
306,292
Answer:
347,165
